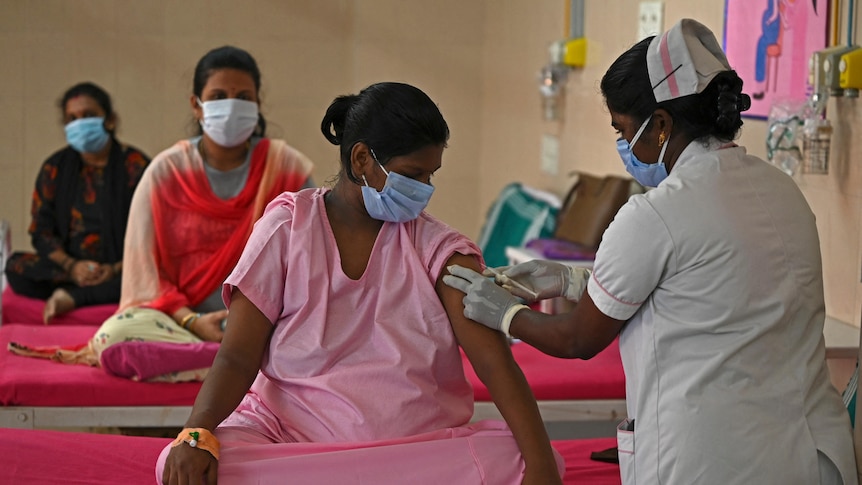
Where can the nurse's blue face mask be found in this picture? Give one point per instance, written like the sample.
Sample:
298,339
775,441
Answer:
402,198
647,174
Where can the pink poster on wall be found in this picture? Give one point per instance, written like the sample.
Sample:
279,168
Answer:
769,42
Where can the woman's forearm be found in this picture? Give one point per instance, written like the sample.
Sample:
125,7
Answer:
62,259
226,384
236,365
514,399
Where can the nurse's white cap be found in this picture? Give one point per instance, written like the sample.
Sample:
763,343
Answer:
683,60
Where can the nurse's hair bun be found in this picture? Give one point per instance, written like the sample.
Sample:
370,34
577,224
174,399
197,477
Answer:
730,103
336,115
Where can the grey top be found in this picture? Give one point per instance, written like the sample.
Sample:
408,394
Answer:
228,184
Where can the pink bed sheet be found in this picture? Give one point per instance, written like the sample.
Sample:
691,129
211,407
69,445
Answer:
81,458
35,382
21,309
551,378
26,381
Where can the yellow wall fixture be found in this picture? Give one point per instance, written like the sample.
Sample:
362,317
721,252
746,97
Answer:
850,68
824,74
575,52
831,63
566,54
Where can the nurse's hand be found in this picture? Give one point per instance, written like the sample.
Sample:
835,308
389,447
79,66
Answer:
484,301
547,279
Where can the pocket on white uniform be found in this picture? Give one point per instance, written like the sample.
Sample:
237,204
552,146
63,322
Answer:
626,451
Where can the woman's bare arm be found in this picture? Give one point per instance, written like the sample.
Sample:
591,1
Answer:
489,353
236,365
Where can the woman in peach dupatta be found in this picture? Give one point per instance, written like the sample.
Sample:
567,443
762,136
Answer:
192,214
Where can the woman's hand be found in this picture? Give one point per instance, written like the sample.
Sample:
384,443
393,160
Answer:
103,273
85,272
208,326
186,465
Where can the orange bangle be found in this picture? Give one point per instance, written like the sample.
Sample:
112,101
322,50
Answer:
187,320
200,438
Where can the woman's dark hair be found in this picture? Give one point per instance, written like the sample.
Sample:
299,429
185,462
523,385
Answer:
228,57
715,111
91,90
393,119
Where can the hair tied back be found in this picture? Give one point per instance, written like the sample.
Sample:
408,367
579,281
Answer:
743,103
731,104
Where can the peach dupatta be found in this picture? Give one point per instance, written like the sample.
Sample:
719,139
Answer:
182,240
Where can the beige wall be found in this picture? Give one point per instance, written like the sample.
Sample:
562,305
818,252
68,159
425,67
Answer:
144,52
478,59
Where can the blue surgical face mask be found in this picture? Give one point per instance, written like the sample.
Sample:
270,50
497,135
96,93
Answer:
647,174
402,198
87,134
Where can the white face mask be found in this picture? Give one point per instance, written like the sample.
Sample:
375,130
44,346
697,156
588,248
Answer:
229,122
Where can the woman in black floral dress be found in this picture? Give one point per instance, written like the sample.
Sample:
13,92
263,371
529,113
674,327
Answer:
80,207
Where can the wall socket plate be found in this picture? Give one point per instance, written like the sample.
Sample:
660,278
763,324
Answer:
650,19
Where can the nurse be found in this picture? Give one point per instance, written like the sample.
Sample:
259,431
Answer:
712,280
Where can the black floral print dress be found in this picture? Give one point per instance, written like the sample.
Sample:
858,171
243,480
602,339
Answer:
82,210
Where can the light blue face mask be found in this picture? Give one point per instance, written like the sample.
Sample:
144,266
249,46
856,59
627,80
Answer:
402,198
87,134
647,174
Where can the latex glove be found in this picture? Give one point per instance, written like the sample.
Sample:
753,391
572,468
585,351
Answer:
484,301
542,279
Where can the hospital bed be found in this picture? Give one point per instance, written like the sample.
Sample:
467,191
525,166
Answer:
36,393
21,309
41,456
565,389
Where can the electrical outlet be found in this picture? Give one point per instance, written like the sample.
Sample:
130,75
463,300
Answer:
550,154
650,19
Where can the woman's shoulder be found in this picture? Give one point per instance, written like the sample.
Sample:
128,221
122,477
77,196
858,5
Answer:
430,232
180,151
58,156
429,223
133,154
134,160
287,207
182,147
301,201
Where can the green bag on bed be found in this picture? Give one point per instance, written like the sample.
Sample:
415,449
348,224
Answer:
519,214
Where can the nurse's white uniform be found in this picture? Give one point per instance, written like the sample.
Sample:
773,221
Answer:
718,272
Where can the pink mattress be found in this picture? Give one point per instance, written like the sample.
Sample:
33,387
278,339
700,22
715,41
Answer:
21,309
81,458
27,381
551,378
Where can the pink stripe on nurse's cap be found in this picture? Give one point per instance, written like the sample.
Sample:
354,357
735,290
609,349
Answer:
668,67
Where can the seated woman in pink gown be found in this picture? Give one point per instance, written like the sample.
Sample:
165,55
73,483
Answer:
340,360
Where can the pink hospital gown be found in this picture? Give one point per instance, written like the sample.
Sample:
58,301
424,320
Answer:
362,381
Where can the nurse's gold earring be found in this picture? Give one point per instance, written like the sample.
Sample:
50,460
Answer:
661,139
